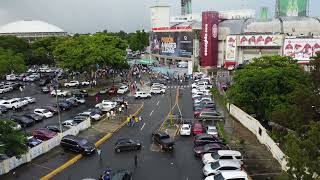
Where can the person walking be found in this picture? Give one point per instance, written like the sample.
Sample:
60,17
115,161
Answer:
135,161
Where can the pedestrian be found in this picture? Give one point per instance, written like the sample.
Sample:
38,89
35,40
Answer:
132,120
128,120
140,118
136,120
135,161
108,115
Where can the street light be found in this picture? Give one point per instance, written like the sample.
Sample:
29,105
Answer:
170,96
55,86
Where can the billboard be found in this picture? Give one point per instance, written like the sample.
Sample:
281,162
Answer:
301,49
178,44
209,38
231,48
260,40
292,7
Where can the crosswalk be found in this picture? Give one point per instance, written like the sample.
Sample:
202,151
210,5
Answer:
182,86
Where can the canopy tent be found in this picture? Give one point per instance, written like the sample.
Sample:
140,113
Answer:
144,61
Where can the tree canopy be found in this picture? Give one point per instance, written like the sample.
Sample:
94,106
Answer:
10,61
13,142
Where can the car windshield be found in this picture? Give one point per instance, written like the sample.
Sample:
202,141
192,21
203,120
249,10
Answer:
219,177
83,141
215,165
46,111
185,128
215,155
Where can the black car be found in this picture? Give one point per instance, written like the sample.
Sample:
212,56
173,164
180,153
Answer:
22,120
203,139
96,111
33,142
63,106
56,128
79,93
77,144
209,148
44,82
122,175
72,102
33,116
163,139
45,89
119,100
127,145
3,109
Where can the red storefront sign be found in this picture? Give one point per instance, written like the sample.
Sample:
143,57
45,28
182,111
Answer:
172,28
209,38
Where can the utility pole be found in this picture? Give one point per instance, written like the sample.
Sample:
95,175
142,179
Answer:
171,79
56,84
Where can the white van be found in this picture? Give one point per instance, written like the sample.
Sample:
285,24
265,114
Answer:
182,64
222,155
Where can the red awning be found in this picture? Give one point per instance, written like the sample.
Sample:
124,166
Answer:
230,63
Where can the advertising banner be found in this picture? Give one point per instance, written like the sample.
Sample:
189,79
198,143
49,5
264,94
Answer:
178,44
292,7
209,38
301,49
231,48
260,40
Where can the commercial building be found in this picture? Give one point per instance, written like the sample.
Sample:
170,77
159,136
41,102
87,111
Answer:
31,30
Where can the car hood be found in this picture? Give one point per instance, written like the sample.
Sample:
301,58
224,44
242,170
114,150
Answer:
199,149
88,146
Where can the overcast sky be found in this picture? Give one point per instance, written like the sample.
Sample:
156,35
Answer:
114,15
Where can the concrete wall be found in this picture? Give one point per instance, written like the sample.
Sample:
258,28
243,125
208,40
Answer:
260,132
9,164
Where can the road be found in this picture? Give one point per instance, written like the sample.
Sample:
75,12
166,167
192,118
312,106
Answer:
152,163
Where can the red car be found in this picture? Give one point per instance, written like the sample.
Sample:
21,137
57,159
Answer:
113,90
197,128
198,112
43,134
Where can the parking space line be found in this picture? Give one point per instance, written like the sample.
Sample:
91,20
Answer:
151,113
42,166
143,126
158,103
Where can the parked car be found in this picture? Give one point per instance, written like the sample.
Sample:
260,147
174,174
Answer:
94,116
30,99
106,105
212,130
197,128
79,93
68,123
33,142
119,100
79,119
22,120
56,128
59,92
141,94
222,155
123,89
11,77
44,82
43,134
63,106
212,115
80,100
71,84
157,90
113,90
127,145
232,175
163,139
85,83
50,108
221,166
33,116
45,89
203,139
11,104
185,130
72,102
209,148
43,113
77,144
197,112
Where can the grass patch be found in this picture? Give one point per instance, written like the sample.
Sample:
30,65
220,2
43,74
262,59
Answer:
221,131
221,99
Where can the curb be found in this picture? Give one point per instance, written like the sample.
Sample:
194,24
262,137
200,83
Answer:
79,156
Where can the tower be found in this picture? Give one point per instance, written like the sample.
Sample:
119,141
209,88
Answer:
186,7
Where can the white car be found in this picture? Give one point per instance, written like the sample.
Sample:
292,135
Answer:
30,99
202,99
80,100
106,105
71,84
222,155
157,90
212,130
59,93
231,175
198,94
85,83
31,78
68,123
11,104
185,130
93,116
43,113
141,94
158,85
122,89
22,101
11,77
4,89
221,166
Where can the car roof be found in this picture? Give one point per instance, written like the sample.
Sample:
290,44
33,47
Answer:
233,174
71,137
232,163
229,152
185,125
40,109
161,133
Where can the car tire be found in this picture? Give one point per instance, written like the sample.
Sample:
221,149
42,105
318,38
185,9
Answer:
161,147
118,150
13,108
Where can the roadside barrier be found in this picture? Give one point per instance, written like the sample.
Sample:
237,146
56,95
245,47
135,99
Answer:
13,162
260,132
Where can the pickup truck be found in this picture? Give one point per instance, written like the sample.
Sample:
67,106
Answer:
163,139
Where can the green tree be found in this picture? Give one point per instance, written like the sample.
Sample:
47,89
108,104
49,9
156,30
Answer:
13,142
17,45
266,83
138,40
11,61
